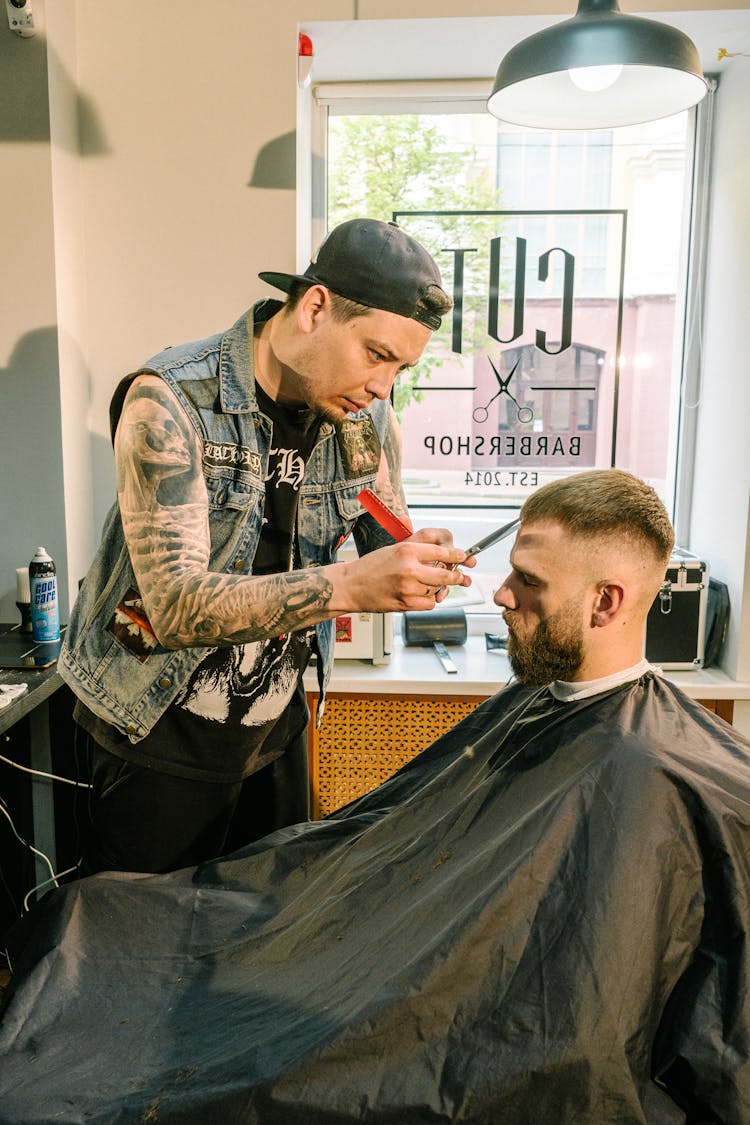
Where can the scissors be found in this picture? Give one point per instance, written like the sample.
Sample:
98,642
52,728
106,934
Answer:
489,541
523,413
493,537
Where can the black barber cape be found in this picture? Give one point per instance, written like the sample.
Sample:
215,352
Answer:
543,918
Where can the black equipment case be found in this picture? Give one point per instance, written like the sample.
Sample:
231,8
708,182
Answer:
676,625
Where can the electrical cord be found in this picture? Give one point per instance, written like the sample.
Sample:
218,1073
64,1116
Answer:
26,844
46,883
54,876
41,773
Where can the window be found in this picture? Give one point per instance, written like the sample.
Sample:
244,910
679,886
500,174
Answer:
566,254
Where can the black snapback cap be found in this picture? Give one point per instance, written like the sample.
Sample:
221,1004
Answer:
378,265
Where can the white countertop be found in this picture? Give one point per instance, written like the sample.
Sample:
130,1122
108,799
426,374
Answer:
417,671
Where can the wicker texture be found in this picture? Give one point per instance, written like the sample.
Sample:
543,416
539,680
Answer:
363,741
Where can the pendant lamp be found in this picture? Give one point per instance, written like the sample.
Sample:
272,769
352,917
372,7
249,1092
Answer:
600,69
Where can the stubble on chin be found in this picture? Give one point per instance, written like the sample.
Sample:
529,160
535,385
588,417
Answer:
328,413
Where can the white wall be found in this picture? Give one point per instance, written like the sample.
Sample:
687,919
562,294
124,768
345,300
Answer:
175,235
68,112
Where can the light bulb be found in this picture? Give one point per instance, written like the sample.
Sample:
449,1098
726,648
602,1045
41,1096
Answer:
595,78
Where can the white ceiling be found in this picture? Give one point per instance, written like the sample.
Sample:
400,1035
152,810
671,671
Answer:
362,50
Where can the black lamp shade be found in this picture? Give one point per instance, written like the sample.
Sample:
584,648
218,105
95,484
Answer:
661,72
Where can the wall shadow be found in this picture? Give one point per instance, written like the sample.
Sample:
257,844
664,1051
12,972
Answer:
24,99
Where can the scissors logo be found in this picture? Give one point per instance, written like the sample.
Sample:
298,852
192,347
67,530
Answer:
523,413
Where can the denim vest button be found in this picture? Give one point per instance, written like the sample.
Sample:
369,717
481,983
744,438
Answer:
326,429
239,564
165,682
131,729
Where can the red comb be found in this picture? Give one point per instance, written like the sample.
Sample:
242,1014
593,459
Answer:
387,519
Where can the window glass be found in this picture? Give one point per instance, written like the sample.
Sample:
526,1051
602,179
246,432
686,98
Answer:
565,256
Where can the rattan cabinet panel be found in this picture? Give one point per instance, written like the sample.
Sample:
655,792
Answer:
363,740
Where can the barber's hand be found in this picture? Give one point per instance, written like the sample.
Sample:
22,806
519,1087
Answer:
446,537
409,575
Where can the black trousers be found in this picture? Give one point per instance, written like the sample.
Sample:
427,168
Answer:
136,819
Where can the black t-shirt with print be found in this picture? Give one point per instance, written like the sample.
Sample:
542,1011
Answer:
294,433
243,703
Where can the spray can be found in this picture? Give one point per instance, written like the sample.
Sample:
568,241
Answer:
45,614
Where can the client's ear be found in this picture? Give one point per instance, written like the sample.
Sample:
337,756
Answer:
607,603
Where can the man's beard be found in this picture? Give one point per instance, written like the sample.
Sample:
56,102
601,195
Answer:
554,651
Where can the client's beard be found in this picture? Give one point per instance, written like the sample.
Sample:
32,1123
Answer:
554,651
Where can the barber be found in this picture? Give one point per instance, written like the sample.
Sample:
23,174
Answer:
239,460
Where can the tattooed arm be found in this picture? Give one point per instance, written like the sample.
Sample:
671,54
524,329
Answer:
164,508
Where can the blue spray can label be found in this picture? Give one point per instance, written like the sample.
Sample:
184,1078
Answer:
45,615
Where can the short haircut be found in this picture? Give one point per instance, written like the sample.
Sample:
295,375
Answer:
604,502
344,310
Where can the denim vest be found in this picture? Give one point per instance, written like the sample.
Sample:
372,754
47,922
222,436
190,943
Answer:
213,380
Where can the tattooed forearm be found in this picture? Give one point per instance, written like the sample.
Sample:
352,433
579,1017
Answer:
164,511
212,610
189,605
